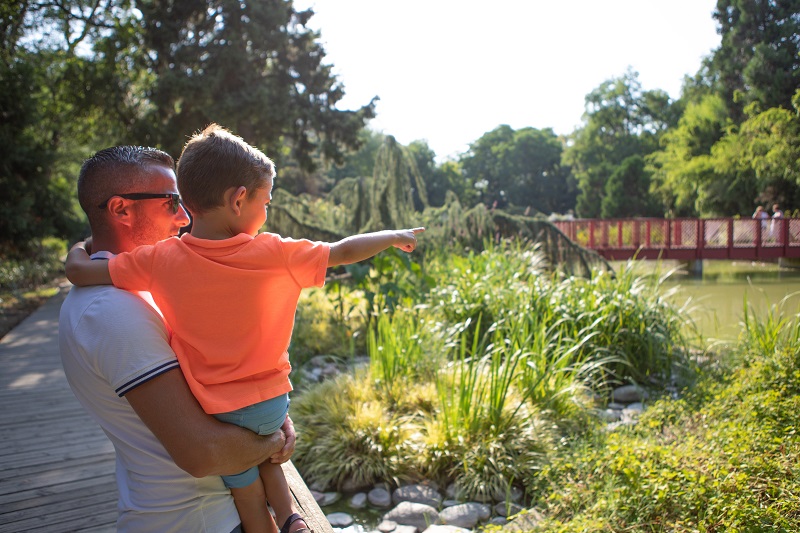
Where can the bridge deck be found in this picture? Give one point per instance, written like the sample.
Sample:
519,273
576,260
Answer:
686,239
56,464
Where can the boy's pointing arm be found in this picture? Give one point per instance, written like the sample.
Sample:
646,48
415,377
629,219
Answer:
360,247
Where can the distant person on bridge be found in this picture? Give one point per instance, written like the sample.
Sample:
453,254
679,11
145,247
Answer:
761,215
230,293
773,224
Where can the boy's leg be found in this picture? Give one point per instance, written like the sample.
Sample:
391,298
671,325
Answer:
251,503
280,499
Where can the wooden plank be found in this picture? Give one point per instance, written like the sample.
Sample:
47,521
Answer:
306,504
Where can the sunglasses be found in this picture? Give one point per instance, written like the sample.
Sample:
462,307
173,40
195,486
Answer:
175,197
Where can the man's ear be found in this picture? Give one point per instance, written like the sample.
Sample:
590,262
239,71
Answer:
120,210
237,198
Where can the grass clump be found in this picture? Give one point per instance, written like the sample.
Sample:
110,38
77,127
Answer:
722,458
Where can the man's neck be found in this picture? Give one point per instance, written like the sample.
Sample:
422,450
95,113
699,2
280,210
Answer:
110,244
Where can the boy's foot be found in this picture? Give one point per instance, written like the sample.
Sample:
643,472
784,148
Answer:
303,527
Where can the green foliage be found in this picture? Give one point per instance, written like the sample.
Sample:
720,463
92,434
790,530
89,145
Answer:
520,168
348,435
40,262
621,121
474,378
627,191
758,58
722,458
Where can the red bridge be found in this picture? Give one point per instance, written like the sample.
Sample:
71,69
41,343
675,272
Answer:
686,239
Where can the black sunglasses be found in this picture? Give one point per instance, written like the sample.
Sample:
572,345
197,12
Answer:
175,197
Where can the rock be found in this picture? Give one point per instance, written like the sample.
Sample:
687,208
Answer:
513,494
615,405
498,521
507,509
379,497
466,515
405,529
318,496
608,415
414,514
636,407
339,519
417,494
358,501
446,529
450,503
525,521
628,394
387,526
329,498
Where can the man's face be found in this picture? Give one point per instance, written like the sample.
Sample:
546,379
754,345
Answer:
154,219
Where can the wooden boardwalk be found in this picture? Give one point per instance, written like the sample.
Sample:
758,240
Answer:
56,464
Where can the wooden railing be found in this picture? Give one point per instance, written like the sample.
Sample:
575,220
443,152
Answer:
686,238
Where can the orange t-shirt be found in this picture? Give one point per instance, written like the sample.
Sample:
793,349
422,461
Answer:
231,304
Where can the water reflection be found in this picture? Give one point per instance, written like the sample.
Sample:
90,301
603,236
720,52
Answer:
717,297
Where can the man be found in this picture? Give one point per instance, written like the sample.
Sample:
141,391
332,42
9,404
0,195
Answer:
116,356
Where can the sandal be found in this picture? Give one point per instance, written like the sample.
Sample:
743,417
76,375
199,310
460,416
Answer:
291,520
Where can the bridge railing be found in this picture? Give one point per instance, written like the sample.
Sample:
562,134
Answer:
686,238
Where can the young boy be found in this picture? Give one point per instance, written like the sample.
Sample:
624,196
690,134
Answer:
230,296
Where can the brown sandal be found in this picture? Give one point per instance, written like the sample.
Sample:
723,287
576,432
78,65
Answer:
291,520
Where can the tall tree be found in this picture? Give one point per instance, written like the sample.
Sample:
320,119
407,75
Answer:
521,168
253,67
758,59
621,120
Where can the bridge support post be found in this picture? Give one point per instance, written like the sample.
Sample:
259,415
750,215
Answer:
694,267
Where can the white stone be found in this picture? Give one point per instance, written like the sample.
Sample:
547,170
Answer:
446,529
387,526
339,519
418,494
358,501
466,515
379,497
414,514
628,394
330,498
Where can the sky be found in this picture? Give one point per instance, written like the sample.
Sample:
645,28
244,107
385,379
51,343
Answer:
448,71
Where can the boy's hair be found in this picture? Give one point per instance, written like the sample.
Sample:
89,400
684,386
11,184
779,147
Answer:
116,170
215,160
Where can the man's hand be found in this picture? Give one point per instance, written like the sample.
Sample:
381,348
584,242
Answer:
288,449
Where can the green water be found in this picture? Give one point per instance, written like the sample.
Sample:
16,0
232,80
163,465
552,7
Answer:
716,299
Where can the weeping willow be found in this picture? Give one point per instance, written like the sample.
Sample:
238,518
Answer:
395,197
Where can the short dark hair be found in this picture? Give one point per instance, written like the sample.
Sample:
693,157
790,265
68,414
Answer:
213,161
115,170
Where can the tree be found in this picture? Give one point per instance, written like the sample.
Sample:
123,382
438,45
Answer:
627,192
621,121
682,170
757,60
253,67
519,168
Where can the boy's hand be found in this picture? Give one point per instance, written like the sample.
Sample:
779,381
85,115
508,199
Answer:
408,239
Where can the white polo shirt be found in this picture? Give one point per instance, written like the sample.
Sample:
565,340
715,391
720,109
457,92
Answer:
112,341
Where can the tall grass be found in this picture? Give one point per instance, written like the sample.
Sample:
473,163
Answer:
478,374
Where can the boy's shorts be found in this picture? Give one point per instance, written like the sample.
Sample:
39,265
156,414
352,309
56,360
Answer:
264,418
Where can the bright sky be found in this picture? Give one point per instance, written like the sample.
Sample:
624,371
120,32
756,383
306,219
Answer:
448,71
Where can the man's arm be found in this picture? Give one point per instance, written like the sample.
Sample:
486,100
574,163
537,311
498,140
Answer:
360,247
82,271
197,442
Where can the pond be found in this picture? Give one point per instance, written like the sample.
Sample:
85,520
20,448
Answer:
717,297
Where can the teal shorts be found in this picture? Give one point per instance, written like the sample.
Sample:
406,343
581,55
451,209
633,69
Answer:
264,418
